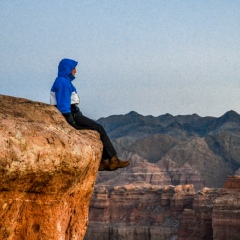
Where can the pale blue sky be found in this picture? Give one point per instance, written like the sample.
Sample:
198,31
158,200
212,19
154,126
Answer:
153,57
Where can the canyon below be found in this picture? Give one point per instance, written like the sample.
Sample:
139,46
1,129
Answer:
183,181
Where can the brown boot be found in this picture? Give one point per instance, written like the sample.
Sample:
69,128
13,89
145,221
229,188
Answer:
104,166
115,163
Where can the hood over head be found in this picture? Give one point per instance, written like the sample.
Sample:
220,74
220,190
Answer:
66,66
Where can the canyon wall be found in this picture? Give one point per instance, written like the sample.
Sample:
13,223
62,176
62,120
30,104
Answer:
143,211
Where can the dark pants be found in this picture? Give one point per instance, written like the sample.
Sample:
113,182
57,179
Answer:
86,123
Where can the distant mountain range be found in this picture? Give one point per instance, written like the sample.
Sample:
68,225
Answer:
209,145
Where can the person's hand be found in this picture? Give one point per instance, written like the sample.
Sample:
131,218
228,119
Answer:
70,120
74,108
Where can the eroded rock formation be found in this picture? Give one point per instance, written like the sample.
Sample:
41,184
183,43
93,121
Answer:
135,211
144,211
226,211
47,172
164,172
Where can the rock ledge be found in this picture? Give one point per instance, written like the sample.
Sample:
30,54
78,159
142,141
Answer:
47,172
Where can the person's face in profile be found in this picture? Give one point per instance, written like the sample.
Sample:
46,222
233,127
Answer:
74,71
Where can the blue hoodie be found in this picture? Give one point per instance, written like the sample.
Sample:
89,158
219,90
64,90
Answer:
63,89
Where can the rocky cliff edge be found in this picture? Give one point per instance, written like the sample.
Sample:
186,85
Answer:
47,172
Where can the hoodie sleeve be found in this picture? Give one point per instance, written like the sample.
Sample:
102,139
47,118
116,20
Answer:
63,97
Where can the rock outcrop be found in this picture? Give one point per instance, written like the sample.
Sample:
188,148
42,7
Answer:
47,172
226,211
232,182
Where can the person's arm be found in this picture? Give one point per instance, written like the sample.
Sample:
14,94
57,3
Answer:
63,98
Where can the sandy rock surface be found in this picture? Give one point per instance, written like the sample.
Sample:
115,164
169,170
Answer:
47,172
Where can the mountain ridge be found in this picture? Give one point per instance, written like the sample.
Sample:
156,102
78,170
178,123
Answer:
210,145
191,123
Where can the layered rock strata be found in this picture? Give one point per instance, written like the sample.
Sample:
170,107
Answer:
47,172
226,212
196,222
144,211
164,172
137,211
232,182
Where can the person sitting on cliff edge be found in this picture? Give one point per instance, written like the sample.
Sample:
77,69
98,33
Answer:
64,96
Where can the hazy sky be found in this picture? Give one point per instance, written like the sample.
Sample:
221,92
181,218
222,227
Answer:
150,56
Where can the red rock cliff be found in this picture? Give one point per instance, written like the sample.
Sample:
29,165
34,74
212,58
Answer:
47,172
